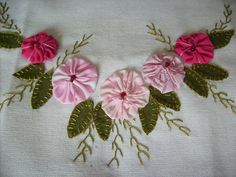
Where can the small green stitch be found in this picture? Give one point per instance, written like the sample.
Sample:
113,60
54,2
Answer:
159,36
222,98
141,148
75,50
20,93
115,146
5,19
10,40
221,38
164,115
223,24
84,146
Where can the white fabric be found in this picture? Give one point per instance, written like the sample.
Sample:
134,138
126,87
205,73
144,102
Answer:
34,142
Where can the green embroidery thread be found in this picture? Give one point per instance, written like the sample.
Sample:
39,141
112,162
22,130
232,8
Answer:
221,38
75,50
84,147
223,24
20,93
222,97
159,36
142,149
5,19
115,146
164,115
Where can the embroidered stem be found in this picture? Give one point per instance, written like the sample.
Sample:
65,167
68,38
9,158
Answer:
164,115
222,98
227,19
20,89
75,50
159,36
141,148
84,146
115,147
5,19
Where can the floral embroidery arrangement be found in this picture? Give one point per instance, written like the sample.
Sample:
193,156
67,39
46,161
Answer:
126,94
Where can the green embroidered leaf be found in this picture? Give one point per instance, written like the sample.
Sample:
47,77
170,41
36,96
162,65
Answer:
195,82
149,115
169,100
42,90
80,119
221,38
30,72
10,40
210,71
103,123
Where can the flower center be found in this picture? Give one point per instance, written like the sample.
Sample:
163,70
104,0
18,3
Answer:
123,95
193,48
72,78
167,64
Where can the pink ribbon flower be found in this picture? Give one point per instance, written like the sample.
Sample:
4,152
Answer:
39,48
123,93
195,48
74,81
164,72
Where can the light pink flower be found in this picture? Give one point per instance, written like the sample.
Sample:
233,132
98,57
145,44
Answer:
195,48
164,72
123,93
74,81
39,48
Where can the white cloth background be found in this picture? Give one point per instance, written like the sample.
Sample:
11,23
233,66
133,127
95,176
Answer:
34,142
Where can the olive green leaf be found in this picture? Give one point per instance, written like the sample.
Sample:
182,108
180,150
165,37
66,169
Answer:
42,90
10,40
30,72
149,115
169,100
103,122
210,71
221,38
195,82
80,118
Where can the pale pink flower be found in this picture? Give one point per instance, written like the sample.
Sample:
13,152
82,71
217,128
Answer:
74,81
123,93
164,72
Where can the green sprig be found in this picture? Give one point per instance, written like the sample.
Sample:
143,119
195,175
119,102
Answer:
115,146
223,24
75,50
20,89
222,97
142,149
159,36
83,146
5,19
164,115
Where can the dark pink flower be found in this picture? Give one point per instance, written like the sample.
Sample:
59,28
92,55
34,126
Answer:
195,48
39,48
